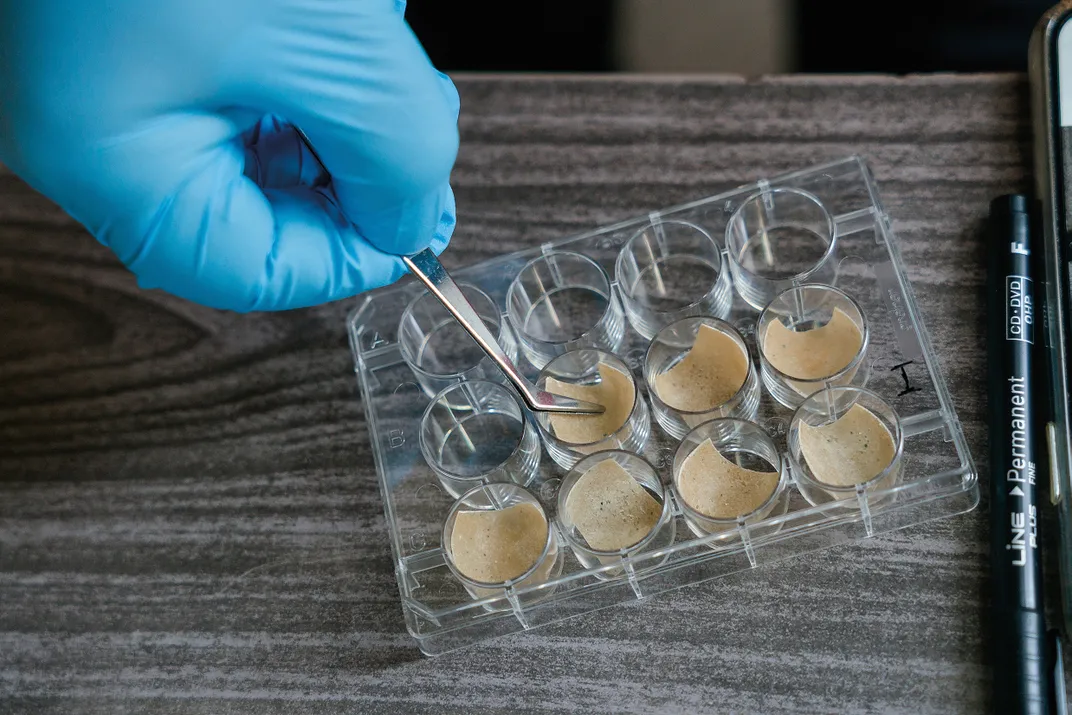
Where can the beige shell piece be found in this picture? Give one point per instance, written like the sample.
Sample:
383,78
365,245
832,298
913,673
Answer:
610,509
851,450
814,354
615,391
716,487
493,546
711,373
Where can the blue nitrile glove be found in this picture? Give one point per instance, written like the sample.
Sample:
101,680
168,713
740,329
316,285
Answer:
162,126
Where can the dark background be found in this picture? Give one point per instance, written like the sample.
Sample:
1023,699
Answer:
829,35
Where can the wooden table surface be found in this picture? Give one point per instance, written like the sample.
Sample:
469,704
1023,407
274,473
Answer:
189,516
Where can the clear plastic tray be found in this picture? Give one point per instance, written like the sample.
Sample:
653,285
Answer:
939,476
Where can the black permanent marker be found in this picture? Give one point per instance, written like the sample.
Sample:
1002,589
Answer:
1021,677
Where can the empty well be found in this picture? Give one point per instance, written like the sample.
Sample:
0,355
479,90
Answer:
778,238
563,301
669,270
439,350
477,432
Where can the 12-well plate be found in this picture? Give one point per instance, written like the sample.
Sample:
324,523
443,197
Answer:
939,474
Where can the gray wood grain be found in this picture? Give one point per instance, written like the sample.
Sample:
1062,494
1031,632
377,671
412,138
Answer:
189,518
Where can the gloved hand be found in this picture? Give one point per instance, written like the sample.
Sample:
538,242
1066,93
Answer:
162,127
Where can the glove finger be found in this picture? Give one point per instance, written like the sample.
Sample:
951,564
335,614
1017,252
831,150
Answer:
355,79
277,156
448,219
450,91
445,226
222,241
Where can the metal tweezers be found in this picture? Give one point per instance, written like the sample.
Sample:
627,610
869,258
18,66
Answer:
426,266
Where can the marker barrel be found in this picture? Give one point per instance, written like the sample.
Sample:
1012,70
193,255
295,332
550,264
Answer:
1020,662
